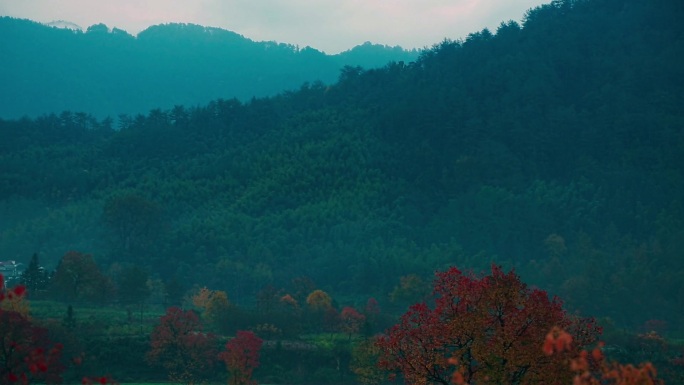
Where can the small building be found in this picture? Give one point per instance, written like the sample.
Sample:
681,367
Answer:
11,270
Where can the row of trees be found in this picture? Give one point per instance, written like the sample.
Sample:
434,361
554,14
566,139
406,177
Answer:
276,313
475,329
179,345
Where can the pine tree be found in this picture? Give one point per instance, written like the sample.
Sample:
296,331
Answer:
34,278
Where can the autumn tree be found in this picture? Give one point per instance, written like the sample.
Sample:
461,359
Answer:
372,308
364,361
77,277
592,368
218,310
351,321
319,301
26,353
15,301
490,328
321,313
178,344
242,357
288,303
201,298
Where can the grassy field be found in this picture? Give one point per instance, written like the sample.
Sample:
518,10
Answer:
109,319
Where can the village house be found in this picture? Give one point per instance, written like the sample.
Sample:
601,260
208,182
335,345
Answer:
11,270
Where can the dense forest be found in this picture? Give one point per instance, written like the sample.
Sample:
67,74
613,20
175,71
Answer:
107,72
554,146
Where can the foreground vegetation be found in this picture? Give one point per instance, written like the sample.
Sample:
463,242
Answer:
475,329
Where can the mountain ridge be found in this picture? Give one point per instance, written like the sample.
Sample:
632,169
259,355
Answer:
107,68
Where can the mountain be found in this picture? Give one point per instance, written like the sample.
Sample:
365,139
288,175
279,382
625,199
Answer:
50,68
555,147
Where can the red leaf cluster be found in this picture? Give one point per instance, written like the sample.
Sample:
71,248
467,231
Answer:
26,354
242,357
351,320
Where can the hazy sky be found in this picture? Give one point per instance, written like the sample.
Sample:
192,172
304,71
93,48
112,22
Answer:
328,25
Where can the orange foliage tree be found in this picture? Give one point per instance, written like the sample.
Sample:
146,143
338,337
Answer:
490,327
593,368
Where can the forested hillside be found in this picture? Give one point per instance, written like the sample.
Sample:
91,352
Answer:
554,146
110,72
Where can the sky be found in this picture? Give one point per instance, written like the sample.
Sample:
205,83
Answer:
331,26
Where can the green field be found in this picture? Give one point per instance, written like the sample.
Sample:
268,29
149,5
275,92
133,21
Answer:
106,320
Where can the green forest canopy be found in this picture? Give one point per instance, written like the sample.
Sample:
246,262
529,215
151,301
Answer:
554,146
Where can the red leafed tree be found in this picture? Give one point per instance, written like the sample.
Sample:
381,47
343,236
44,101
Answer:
351,321
372,307
26,354
242,357
77,277
486,329
179,345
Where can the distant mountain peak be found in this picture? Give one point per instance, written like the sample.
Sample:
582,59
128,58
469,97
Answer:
64,24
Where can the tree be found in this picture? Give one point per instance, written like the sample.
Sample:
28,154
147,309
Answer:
15,301
319,301
321,312
372,313
593,368
201,298
218,309
490,328
242,357
351,321
26,354
77,277
364,363
34,278
178,344
411,288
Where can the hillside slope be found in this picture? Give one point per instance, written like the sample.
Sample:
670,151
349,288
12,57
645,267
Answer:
555,147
